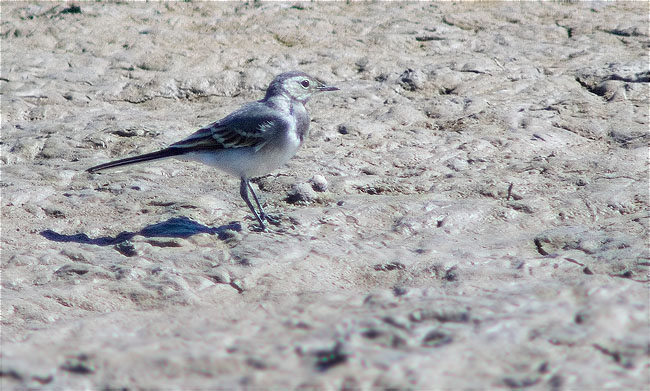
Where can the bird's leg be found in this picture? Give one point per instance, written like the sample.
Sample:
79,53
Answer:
263,214
257,201
243,191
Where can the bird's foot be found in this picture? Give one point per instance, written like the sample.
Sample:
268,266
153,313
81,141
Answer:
259,227
275,220
266,229
265,218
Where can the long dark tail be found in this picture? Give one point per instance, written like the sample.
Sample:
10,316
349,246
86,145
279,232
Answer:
163,153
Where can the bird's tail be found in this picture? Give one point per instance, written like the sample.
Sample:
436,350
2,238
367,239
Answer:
163,153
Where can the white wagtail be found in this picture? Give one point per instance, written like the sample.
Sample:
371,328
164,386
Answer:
253,140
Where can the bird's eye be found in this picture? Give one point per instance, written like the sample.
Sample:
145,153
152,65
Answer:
305,83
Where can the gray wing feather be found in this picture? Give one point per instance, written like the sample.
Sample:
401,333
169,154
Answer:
250,126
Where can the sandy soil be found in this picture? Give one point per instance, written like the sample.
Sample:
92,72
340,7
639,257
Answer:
485,223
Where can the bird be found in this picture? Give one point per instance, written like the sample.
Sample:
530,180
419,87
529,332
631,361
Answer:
252,141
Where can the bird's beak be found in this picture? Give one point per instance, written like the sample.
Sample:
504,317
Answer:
323,87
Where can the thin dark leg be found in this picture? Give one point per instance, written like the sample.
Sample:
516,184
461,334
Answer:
263,215
243,191
262,212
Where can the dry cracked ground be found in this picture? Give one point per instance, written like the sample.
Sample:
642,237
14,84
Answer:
470,210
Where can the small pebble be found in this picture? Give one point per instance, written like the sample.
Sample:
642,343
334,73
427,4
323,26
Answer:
348,128
301,192
412,80
220,276
126,248
318,183
369,170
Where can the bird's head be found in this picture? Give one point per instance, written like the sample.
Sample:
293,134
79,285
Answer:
296,85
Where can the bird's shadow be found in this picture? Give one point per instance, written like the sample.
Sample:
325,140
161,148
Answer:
177,227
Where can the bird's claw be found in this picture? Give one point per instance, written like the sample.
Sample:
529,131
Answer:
275,220
259,227
265,228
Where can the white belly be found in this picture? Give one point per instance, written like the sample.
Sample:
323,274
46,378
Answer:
247,162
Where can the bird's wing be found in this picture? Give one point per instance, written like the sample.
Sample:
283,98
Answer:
251,126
